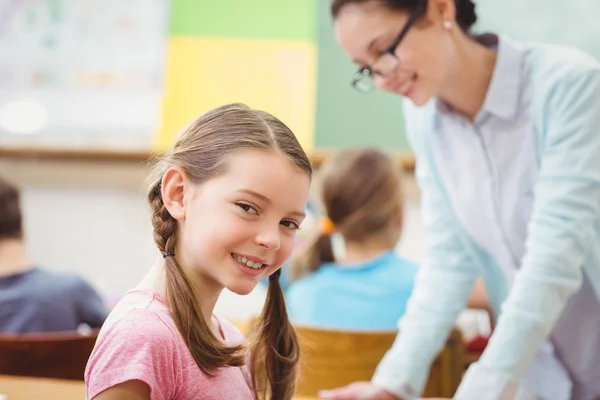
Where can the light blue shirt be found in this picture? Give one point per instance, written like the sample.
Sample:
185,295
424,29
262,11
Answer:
513,197
369,296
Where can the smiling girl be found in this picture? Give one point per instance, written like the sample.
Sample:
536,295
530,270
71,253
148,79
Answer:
226,202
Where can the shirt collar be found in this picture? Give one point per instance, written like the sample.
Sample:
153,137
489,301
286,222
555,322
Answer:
503,94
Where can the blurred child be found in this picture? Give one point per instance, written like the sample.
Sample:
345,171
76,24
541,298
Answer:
33,300
304,234
226,202
368,287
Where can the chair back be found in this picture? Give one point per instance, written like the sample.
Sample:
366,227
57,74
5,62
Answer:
330,359
48,355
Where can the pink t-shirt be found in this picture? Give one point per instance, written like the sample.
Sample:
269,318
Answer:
139,340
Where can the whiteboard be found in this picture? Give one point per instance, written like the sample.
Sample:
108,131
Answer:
81,73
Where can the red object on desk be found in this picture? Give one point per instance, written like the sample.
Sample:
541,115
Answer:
477,345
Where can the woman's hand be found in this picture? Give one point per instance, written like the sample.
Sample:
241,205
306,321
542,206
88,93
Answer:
357,391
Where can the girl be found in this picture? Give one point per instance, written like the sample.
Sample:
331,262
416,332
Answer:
226,203
506,139
368,287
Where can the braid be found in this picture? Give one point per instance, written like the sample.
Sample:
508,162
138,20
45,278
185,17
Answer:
165,226
208,351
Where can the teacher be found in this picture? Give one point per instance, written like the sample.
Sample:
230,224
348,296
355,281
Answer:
507,140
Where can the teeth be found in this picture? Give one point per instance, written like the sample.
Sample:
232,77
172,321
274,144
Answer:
249,263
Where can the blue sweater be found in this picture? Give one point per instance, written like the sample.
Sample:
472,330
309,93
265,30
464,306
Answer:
370,296
39,301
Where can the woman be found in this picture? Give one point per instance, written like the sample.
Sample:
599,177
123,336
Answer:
507,140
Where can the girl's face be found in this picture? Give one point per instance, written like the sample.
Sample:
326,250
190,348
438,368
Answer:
239,227
423,59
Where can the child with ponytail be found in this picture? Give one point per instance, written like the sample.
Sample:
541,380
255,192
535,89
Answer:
226,202
368,286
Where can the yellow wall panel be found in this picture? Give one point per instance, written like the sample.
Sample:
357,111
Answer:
275,76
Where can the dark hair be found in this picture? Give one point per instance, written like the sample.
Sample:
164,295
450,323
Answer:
465,9
10,212
360,191
201,151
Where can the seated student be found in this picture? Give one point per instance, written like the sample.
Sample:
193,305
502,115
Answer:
368,287
33,300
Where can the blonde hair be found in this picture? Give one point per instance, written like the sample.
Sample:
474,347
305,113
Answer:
200,151
360,192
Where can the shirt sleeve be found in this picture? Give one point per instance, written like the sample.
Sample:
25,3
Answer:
137,347
90,306
561,231
443,284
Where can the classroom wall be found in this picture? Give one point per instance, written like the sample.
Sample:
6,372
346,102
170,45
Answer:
278,56
93,219
345,117
261,52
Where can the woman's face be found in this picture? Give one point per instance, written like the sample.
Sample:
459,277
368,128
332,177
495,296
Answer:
426,55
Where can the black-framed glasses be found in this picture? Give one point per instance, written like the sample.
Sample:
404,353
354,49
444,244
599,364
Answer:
387,62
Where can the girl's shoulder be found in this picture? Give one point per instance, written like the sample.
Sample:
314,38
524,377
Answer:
140,308
137,342
139,323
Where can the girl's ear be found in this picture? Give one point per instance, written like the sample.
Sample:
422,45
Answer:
173,188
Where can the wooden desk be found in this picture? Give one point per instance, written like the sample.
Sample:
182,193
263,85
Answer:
26,388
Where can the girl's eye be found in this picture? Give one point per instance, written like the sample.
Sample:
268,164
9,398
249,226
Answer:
290,224
248,208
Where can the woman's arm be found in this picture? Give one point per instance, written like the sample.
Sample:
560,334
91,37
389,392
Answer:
443,284
561,230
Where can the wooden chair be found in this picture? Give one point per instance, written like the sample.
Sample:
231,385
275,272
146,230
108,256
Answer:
330,359
245,326
48,355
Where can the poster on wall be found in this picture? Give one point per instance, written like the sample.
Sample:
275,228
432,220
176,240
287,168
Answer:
262,53
81,74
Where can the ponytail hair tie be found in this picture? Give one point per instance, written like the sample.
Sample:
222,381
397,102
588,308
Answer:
165,255
327,226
